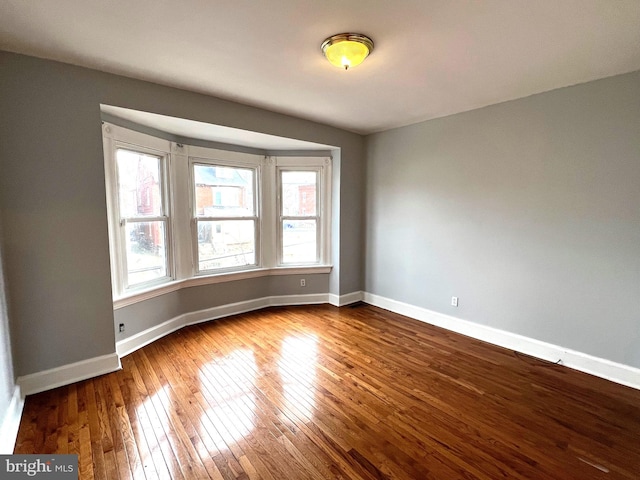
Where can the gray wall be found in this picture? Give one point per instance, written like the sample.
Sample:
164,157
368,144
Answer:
529,211
53,211
143,315
52,197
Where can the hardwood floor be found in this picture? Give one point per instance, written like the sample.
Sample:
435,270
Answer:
320,393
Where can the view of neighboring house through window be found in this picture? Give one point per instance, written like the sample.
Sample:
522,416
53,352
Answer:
299,216
143,221
225,216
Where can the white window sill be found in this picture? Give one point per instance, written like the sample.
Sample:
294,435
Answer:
131,298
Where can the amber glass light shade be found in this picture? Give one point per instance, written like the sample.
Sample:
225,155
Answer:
347,50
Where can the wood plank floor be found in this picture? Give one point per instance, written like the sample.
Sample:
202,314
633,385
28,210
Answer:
321,393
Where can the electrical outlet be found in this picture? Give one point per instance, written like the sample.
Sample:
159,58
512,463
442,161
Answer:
454,301
303,282
121,328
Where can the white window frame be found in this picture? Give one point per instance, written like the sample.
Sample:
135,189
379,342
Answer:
318,217
323,166
214,158
116,138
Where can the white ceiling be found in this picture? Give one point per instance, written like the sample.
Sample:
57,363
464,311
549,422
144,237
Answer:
215,133
432,57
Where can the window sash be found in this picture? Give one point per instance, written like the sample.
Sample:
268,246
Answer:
197,219
317,218
124,260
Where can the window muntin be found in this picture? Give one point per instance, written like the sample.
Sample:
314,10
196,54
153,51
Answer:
225,216
143,221
299,219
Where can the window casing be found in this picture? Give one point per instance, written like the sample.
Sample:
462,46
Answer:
139,210
207,215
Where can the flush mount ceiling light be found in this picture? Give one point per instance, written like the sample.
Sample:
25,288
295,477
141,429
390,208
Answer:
347,50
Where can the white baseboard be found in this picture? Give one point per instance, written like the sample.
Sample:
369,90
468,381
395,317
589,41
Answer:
346,299
66,374
75,372
600,367
11,422
139,340
150,335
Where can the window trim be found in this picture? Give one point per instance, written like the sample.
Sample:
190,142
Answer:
115,138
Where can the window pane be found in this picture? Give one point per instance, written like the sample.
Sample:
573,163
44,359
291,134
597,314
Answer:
299,241
223,191
227,243
146,258
299,193
139,184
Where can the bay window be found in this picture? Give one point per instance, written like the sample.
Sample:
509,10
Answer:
183,215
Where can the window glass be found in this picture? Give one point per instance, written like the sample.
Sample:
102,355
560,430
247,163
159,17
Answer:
299,193
299,219
299,241
224,204
145,252
140,197
139,184
223,191
226,244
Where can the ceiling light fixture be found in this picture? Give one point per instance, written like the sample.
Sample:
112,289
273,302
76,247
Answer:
347,50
